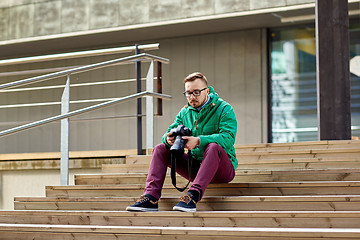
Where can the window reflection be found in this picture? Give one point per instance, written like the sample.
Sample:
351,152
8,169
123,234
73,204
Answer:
293,83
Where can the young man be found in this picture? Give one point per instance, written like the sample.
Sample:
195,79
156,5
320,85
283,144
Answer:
213,125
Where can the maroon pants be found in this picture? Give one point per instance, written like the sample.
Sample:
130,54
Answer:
216,167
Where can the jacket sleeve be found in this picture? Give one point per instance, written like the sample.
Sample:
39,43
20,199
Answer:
227,130
178,121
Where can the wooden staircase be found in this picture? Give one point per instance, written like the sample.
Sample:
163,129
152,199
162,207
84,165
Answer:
308,190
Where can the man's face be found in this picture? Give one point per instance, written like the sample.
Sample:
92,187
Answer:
196,85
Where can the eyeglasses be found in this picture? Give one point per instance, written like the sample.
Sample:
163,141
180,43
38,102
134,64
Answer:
196,93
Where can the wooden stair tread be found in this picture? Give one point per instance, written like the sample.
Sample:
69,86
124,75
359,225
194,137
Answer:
311,171
319,198
313,219
227,189
111,174
309,144
224,185
296,152
111,168
277,152
273,160
143,168
117,153
216,203
251,175
214,214
217,232
283,151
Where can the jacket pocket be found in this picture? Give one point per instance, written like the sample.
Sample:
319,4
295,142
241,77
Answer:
210,129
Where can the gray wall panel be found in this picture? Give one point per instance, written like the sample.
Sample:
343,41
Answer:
253,88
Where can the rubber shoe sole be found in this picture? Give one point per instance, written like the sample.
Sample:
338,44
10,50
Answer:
183,209
141,209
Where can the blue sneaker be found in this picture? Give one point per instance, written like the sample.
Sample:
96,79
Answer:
146,203
187,203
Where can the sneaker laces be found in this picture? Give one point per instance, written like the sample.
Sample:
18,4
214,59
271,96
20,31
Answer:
186,199
144,198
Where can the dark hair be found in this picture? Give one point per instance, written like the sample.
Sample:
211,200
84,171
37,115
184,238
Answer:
196,75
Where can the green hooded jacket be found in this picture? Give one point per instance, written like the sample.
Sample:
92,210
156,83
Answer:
214,123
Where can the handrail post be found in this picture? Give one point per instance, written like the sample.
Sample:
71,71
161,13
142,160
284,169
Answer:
150,109
64,145
139,105
159,88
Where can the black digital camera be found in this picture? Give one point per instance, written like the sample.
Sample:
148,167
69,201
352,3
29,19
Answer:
179,143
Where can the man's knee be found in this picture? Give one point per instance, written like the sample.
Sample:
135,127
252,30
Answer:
161,151
213,147
160,147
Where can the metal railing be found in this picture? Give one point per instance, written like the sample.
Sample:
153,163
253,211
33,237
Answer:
89,53
65,100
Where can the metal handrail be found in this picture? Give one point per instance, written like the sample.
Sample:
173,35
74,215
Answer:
61,86
81,111
54,103
88,53
129,59
71,85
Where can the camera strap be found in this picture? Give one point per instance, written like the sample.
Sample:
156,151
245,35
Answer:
173,171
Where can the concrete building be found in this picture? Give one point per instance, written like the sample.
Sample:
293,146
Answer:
258,55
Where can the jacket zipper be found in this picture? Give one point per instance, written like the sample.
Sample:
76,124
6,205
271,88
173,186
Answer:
197,119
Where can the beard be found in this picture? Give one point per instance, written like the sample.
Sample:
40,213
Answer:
196,104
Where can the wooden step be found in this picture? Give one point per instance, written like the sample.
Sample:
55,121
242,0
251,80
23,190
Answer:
288,219
224,203
285,152
305,165
141,163
38,231
118,178
241,176
313,175
111,179
125,168
316,147
301,151
299,156
280,156
230,189
138,159
309,159
143,168
337,144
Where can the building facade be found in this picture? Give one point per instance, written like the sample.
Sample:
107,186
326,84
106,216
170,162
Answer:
258,55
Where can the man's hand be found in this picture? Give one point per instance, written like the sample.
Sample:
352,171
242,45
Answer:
170,139
192,142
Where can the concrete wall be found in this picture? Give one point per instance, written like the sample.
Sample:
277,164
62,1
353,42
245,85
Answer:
31,18
31,183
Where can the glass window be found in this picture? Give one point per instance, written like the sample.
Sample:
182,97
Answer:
293,84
